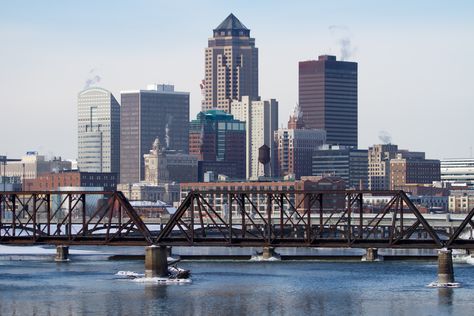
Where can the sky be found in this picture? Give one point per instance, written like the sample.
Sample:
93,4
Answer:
415,59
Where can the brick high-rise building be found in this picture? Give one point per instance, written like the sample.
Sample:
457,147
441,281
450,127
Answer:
158,112
407,170
379,165
295,146
231,66
218,141
392,168
328,98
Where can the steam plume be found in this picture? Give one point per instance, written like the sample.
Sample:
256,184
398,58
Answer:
93,79
344,40
385,137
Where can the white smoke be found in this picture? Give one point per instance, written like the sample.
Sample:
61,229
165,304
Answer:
385,137
344,41
92,79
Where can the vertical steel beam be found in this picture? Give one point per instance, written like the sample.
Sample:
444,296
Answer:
282,211
242,211
308,219
361,214
13,195
191,210
48,213
321,222
269,218
84,210
34,215
229,203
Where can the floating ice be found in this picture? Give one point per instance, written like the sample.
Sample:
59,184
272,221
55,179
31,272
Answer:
260,258
444,285
163,280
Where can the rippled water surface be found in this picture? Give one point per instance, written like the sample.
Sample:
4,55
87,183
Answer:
89,286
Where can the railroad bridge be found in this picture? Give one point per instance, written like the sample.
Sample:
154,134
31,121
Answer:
267,219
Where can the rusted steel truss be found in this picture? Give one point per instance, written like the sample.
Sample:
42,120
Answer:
297,219
227,218
85,218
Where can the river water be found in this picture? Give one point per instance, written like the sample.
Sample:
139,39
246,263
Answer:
35,285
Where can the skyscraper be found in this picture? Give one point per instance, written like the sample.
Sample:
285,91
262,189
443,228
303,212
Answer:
231,66
261,119
218,141
98,131
328,98
158,112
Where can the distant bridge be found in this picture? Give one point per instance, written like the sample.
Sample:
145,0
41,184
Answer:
289,218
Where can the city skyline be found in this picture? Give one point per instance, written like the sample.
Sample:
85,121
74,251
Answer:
412,77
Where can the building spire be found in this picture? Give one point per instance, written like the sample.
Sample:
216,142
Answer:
296,119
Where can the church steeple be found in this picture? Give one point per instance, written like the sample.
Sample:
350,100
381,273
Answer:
296,119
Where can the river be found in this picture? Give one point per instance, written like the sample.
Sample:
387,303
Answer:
87,285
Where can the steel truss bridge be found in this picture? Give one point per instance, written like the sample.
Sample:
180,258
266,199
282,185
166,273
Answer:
289,218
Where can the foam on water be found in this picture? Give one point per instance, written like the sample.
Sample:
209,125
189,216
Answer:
140,278
260,258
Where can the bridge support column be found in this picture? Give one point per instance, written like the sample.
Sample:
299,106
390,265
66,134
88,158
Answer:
372,254
156,261
269,252
445,266
62,253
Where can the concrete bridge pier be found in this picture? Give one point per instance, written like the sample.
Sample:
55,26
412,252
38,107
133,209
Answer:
445,266
268,252
156,261
62,253
371,255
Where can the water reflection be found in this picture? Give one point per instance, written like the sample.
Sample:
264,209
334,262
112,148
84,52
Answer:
445,296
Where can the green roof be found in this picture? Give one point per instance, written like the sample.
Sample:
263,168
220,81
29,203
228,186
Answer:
231,23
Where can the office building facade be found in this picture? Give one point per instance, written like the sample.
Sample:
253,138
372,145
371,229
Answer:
98,131
261,118
295,146
216,138
158,112
458,171
167,166
328,98
231,66
411,170
73,179
348,163
33,165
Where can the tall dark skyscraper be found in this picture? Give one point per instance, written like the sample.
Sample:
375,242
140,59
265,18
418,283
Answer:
231,66
158,112
328,98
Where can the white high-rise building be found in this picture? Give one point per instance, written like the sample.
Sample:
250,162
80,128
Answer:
261,119
98,131
458,171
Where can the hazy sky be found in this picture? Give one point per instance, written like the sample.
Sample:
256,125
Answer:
416,62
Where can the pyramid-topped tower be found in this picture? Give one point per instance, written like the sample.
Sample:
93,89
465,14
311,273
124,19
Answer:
231,66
